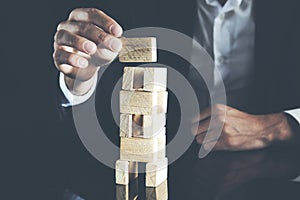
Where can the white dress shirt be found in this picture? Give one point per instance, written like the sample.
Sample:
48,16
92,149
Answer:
228,34
75,99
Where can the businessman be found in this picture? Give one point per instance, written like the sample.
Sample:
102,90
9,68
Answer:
253,43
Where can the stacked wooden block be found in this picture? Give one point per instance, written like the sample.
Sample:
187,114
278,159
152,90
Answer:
143,107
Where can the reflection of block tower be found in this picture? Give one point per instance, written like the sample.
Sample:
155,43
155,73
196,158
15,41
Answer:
143,106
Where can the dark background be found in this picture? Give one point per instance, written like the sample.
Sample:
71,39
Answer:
28,113
35,143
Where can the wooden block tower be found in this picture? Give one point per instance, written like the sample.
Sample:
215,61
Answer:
143,107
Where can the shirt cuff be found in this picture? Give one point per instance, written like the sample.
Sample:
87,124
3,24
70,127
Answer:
296,179
74,99
295,113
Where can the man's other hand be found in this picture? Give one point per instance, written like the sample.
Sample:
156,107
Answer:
83,43
240,131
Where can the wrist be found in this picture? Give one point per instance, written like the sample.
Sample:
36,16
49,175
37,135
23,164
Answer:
293,127
78,87
287,128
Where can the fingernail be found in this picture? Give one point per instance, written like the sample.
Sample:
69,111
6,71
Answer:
115,44
116,30
83,62
66,68
89,47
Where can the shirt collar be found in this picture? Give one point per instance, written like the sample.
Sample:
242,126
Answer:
229,4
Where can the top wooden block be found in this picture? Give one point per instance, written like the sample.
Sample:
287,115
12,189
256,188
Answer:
138,50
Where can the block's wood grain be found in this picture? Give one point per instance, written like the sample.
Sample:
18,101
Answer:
128,77
138,50
160,192
143,103
156,172
151,125
145,126
125,125
122,172
144,158
144,79
155,79
125,171
143,146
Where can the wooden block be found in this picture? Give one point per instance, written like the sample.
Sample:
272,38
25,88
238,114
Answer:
144,79
145,126
126,171
160,192
138,50
144,158
122,172
132,78
143,146
156,172
125,125
155,79
143,103
144,149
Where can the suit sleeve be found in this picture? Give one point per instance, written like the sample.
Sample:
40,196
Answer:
71,99
295,113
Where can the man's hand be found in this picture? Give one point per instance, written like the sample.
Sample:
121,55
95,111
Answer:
83,43
240,131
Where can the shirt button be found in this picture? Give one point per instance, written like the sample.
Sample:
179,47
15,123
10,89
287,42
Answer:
221,60
222,16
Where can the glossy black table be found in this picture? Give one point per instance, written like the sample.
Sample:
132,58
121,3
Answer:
262,174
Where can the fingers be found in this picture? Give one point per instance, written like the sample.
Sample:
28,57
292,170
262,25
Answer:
103,56
220,131
84,37
216,110
210,142
206,113
77,73
92,33
66,38
87,40
73,65
233,143
207,137
216,146
212,122
200,127
63,57
98,18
